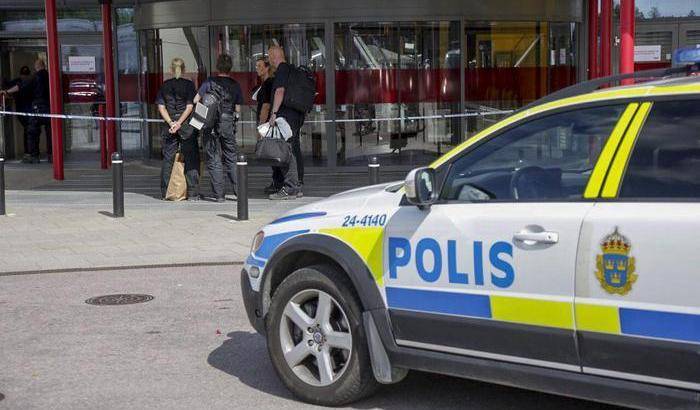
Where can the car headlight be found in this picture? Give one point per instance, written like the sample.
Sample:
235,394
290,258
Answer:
257,241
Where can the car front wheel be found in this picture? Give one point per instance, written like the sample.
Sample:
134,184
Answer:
316,339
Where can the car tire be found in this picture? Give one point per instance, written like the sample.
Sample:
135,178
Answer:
338,344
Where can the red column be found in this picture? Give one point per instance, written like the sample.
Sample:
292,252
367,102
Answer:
55,88
627,38
605,37
593,65
109,74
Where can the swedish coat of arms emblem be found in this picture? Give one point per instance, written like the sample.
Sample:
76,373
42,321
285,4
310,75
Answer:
615,267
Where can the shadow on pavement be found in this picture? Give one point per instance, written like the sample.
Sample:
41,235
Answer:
244,356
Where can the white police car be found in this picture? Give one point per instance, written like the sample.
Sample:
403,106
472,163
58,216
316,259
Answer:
555,251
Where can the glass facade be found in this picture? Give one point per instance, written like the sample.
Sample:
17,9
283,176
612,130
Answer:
158,48
70,19
303,45
394,70
511,64
200,47
81,62
397,86
661,27
654,9
394,81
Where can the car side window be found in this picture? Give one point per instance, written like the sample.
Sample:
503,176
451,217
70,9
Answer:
548,159
665,162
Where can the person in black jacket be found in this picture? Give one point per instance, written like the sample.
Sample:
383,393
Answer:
23,103
38,88
263,97
219,141
175,104
293,173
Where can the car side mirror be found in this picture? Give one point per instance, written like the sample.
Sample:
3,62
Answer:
421,187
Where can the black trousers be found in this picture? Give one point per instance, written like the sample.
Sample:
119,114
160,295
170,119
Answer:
290,173
190,150
24,121
277,177
34,125
221,151
296,150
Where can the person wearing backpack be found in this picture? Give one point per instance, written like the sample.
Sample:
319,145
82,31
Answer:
175,103
294,172
219,139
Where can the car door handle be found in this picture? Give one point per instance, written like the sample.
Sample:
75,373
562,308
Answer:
537,237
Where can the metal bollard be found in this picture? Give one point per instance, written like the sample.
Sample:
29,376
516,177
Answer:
2,184
242,187
373,171
117,185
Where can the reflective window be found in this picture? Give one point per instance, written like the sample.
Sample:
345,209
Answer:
396,70
511,64
665,162
655,9
70,19
545,159
129,86
159,47
303,45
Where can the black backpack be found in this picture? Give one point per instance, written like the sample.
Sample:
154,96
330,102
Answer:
208,109
300,91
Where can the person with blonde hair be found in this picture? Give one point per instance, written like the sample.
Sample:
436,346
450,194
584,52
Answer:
175,104
263,97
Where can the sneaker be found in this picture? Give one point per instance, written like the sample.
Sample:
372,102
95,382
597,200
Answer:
282,195
211,198
272,188
300,193
231,197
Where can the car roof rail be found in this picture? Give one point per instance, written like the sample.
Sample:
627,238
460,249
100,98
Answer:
586,87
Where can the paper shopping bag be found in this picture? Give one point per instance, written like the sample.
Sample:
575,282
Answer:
177,187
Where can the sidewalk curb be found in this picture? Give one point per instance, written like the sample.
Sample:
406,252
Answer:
129,267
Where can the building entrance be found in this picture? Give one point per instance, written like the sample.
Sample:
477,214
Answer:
82,94
15,54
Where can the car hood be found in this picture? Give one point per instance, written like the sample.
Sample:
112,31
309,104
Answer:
354,200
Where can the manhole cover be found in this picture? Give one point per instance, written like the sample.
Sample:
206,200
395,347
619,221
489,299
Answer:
113,300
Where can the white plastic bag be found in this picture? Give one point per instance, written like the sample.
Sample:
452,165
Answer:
281,129
284,129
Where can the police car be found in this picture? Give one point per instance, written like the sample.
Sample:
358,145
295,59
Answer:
556,251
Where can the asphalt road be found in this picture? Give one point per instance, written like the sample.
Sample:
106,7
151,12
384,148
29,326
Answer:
189,347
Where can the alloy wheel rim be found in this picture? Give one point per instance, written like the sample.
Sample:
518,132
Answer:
315,337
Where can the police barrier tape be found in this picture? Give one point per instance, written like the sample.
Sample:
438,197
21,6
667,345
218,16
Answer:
341,120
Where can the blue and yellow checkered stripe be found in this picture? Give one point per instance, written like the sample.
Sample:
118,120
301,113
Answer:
549,313
591,317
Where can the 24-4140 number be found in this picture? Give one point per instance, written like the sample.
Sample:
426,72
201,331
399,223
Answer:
365,220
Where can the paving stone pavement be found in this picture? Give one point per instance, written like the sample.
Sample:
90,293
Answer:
74,230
